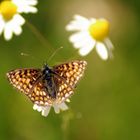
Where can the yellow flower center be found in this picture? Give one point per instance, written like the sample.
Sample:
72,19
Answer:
99,30
8,9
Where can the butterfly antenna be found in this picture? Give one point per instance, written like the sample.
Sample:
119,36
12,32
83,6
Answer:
53,54
24,54
28,55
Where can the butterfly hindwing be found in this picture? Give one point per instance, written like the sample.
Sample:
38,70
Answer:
40,95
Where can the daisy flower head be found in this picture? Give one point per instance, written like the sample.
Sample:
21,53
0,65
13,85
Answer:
89,34
10,18
46,109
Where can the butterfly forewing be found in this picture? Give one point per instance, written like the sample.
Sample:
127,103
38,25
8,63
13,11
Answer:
24,79
69,73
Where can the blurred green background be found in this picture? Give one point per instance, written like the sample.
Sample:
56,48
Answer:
106,103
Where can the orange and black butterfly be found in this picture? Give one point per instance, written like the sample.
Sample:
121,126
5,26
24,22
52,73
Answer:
49,85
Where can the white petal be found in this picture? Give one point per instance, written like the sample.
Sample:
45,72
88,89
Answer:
13,26
30,9
87,48
25,2
93,20
17,30
46,111
84,22
109,46
19,19
17,22
63,106
88,41
80,18
79,23
26,6
102,50
35,106
8,33
39,108
78,36
76,26
68,100
58,107
79,39
31,2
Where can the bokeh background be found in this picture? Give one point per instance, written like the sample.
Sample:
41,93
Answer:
106,103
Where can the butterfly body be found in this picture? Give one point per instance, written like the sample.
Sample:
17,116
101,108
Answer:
50,85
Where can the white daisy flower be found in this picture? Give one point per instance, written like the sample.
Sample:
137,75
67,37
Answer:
45,110
91,33
10,18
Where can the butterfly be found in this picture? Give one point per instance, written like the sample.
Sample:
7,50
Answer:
49,86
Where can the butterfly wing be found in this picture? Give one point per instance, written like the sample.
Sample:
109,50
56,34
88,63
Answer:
24,79
40,95
68,74
30,82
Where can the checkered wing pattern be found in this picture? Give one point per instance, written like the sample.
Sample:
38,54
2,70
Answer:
70,73
32,83
23,79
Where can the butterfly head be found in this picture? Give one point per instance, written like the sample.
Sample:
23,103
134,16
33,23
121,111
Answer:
47,70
